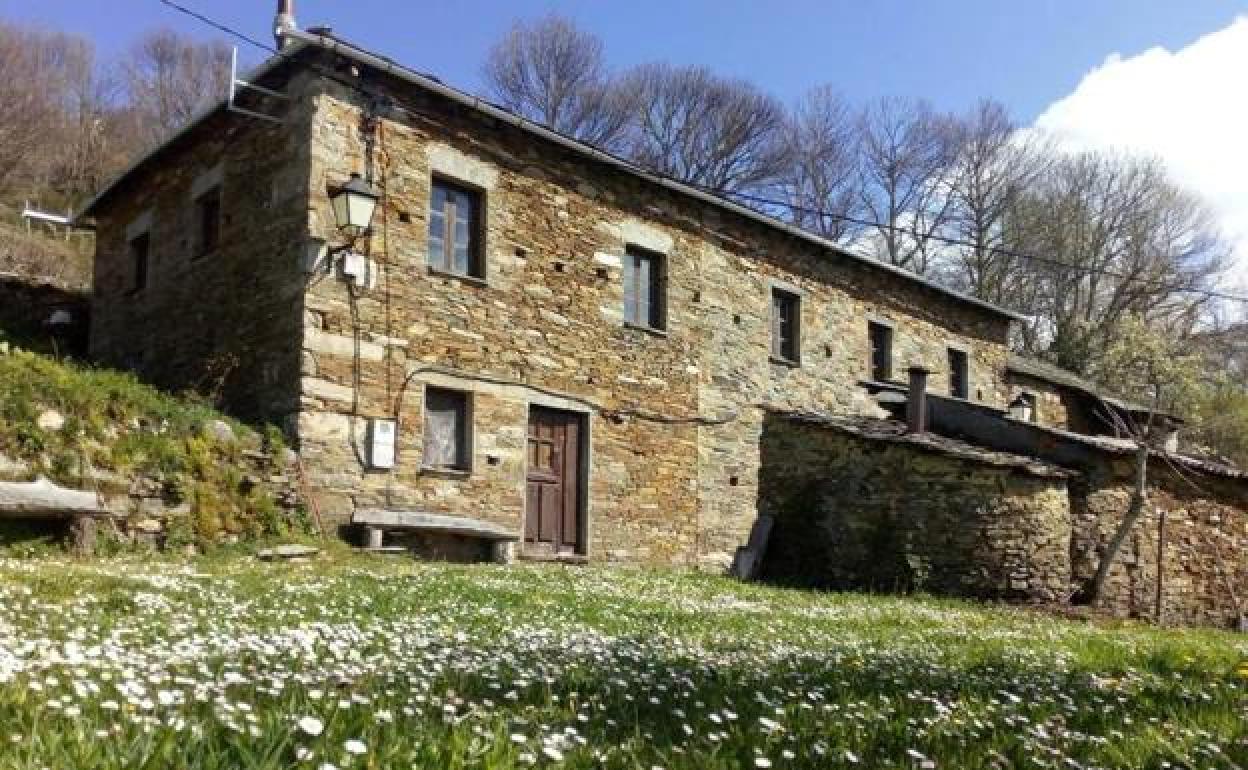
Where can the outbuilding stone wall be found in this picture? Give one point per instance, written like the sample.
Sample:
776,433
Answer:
866,508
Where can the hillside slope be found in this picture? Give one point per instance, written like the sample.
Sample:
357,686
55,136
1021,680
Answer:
172,469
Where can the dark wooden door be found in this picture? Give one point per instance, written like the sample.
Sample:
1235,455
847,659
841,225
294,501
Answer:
553,505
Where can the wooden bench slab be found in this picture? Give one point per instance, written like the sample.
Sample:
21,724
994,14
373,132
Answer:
380,518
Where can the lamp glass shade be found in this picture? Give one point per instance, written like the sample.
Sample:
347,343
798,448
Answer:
354,204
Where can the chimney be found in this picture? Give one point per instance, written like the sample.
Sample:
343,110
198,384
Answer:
284,22
916,403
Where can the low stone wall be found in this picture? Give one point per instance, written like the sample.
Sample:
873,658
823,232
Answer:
36,312
888,514
1195,528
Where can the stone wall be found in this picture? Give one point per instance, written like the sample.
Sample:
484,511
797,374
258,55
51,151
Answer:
43,313
1050,399
678,484
226,322
861,507
1203,542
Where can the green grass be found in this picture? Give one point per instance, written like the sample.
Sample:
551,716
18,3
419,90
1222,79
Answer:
213,663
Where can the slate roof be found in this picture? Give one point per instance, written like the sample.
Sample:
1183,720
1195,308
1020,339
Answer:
299,41
1056,375
895,432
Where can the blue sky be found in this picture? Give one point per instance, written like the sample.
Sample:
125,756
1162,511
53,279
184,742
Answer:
1028,53
1154,77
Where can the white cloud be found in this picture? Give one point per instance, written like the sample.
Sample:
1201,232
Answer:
1188,107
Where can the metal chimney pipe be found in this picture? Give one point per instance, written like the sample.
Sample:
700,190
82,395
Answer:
916,401
284,22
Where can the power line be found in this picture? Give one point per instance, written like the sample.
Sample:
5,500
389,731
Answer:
762,200
219,26
952,241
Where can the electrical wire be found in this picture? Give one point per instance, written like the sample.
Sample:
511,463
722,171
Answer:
760,200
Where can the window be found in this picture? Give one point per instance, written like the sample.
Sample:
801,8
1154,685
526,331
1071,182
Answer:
140,246
880,339
959,377
455,229
643,288
446,429
208,211
785,326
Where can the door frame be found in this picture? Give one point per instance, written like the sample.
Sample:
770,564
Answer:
584,458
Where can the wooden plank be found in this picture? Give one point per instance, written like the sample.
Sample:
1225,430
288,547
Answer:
434,522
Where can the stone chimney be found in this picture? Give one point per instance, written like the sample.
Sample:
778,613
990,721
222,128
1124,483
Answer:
283,22
916,402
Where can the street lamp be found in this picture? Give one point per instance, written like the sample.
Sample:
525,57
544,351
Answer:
354,204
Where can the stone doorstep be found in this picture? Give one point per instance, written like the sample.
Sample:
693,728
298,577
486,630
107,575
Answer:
379,518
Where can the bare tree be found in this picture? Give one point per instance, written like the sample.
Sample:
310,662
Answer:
908,164
693,125
168,77
553,73
1118,238
996,164
821,180
29,82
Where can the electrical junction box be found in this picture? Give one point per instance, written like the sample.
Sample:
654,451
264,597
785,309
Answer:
359,270
381,436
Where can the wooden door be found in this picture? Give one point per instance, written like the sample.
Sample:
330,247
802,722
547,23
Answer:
553,519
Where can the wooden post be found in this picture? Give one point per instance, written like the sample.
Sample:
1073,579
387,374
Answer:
1161,566
375,537
82,531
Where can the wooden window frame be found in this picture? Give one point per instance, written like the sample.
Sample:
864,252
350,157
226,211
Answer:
464,431
208,228
959,362
139,276
790,354
476,231
657,289
879,373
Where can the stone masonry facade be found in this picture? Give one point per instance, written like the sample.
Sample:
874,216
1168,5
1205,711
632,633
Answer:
674,418
675,422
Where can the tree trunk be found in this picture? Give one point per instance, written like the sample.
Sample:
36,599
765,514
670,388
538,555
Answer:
1139,497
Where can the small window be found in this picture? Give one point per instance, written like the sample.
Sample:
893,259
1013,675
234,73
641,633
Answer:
208,211
643,288
880,338
446,429
140,248
455,229
959,376
785,325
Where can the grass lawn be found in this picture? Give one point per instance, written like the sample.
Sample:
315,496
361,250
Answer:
353,663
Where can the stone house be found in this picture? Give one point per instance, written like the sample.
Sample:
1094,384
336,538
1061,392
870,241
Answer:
534,340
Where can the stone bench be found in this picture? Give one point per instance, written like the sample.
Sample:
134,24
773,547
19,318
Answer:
43,499
377,521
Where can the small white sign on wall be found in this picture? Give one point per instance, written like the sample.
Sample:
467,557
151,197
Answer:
381,436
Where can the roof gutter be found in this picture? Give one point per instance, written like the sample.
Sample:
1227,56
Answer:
390,67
